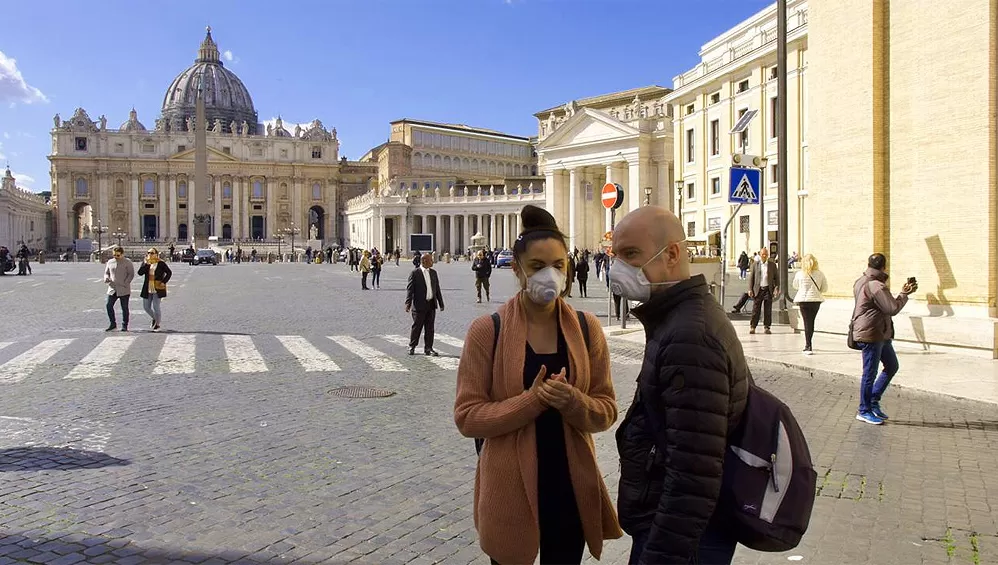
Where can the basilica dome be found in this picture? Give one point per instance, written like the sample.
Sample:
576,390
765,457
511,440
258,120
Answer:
225,97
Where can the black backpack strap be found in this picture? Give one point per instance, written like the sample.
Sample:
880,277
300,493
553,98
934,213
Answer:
479,442
584,323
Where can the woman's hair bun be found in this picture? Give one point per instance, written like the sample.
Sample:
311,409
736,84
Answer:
536,218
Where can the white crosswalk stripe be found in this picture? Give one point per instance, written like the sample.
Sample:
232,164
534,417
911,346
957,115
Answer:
243,355
453,341
447,363
374,358
308,355
15,370
99,362
177,356
4,344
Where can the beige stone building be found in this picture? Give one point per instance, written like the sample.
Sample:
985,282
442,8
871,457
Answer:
904,152
737,74
448,180
624,138
140,181
24,216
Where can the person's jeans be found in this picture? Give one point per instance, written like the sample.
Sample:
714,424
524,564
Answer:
480,283
762,304
742,273
111,299
151,306
363,280
715,548
376,278
870,391
809,311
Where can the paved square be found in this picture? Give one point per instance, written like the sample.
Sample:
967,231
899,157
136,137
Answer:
218,441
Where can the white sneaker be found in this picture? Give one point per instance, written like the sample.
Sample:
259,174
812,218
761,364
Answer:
808,352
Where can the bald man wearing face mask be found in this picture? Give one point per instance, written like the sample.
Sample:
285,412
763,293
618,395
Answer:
691,394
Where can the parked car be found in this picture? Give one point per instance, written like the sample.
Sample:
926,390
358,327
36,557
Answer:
505,259
205,256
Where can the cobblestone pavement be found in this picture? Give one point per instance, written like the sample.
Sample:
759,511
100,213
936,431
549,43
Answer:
218,441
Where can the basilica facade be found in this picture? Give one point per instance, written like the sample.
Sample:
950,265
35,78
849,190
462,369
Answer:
139,182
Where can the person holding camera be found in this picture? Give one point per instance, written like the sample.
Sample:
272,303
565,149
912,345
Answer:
873,330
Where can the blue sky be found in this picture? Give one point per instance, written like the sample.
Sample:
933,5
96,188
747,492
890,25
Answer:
354,64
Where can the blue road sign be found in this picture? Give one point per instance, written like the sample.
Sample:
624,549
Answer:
744,186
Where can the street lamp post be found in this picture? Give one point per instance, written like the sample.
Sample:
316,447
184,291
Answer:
100,229
279,237
647,195
120,235
292,230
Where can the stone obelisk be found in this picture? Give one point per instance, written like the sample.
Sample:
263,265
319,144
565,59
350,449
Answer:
202,206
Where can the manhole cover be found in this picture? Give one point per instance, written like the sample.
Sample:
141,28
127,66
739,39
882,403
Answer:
361,392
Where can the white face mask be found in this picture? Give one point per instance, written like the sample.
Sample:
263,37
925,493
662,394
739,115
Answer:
544,286
630,282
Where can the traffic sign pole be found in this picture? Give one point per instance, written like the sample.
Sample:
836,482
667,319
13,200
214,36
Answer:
724,251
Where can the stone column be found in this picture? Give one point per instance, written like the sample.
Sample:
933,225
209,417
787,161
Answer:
64,226
664,187
331,226
635,191
453,233
216,216
237,220
296,206
135,224
507,239
270,226
103,195
174,218
551,192
164,211
573,196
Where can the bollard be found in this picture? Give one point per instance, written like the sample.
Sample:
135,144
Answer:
270,257
41,258
75,257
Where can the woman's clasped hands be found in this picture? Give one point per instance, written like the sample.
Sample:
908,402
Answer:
555,390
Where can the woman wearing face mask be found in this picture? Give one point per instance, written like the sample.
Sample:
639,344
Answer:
536,392
157,274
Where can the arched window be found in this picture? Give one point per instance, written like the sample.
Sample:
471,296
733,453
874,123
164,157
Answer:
227,190
316,191
81,188
257,189
119,188
438,162
402,187
148,187
417,159
426,186
465,164
182,192
492,167
447,163
427,161
284,190
516,170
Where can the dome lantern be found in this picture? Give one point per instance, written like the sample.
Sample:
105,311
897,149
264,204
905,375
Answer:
208,53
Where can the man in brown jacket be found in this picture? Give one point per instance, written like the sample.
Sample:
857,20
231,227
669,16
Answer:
873,330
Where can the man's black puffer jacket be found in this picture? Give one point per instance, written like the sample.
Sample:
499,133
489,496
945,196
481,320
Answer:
695,380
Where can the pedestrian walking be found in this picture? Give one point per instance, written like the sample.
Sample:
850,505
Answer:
810,284
764,286
118,275
534,382
743,265
872,328
422,298
365,268
691,393
376,261
483,270
157,273
571,272
23,265
398,254
416,257
173,250
582,275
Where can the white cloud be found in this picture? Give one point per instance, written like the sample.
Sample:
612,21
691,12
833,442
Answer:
228,56
6,135
13,87
24,180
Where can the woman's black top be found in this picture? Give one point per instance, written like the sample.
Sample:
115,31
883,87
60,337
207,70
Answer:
555,496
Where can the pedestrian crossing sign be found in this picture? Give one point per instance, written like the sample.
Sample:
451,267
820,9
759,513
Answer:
744,185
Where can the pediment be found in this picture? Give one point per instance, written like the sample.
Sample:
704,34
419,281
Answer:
588,126
213,155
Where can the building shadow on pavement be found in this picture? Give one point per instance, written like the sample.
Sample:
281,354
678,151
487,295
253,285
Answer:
977,425
54,459
115,545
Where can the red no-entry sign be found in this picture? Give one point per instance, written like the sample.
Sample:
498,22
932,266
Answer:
613,196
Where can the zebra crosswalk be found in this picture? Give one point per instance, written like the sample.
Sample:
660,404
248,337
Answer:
114,356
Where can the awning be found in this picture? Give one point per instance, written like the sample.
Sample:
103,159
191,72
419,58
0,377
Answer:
703,237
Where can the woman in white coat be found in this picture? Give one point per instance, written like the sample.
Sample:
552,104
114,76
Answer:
810,284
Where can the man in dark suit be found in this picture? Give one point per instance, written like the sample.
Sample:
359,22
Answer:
422,297
764,286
